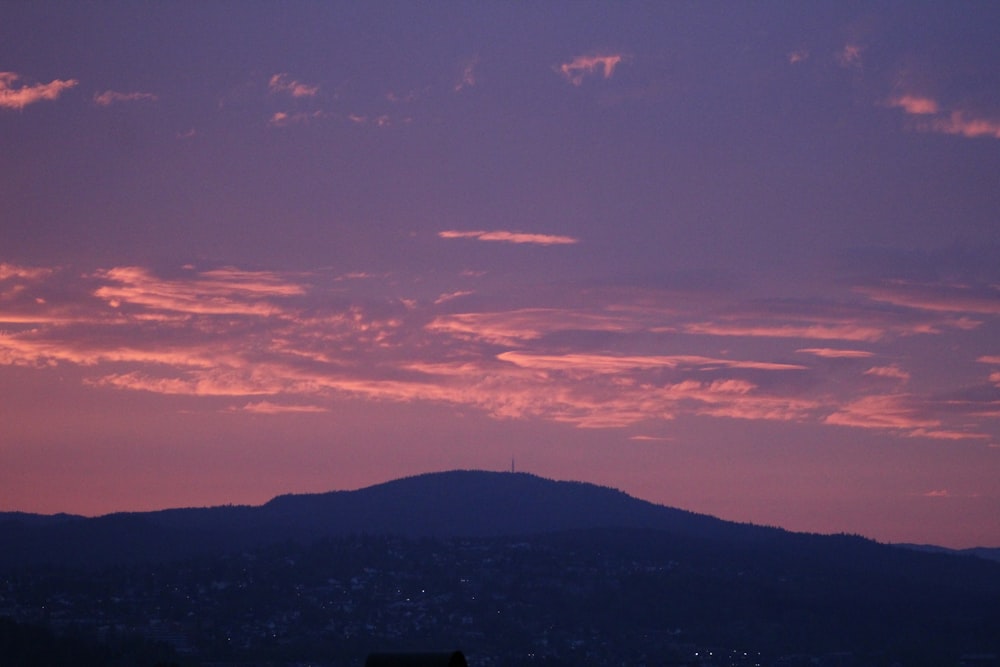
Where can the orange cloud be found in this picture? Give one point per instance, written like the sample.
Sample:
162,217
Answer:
509,237
109,97
12,97
579,67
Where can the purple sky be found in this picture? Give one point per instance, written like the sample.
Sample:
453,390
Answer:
739,258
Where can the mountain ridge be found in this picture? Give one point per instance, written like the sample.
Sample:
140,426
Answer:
455,503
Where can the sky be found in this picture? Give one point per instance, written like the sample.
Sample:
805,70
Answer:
737,258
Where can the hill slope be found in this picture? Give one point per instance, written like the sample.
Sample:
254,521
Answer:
446,504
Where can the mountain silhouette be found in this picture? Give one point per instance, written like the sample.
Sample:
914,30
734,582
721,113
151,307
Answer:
459,503
445,504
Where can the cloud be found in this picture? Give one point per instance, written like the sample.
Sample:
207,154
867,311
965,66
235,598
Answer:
284,118
889,372
9,271
914,104
12,97
271,342
798,56
959,122
602,363
831,353
109,97
281,83
468,77
850,56
269,408
847,331
580,67
937,493
962,124
938,298
890,411
509,237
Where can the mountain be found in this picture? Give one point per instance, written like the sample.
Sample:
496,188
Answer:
446,504
510,564
458,503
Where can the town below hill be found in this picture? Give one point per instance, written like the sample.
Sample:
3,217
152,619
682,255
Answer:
511,569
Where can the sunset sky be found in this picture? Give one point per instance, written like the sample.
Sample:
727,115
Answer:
738,258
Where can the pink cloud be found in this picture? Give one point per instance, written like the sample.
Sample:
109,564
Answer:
284,118
8,271
222,291
468,76
957,122
914,104
848,331
937,493
511,327
282,83
509,237
889,372
832,353
851,55
962,124
891,411
109,97
795,57
228,335
942,298
269,408
579,67
12,97
602,363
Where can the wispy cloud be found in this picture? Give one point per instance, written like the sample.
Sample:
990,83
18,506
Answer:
269,408
797,56
109,97
467,79
889,372
834,353
964,124
959,122
914,104
851,55
285,118
504,236
273,343
13,96
282,83
939,297
577,69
